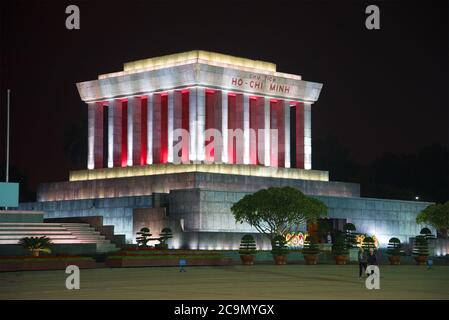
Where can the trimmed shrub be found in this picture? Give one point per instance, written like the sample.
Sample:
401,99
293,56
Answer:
279,246
247,245
421,246
143,237
339,247
395,247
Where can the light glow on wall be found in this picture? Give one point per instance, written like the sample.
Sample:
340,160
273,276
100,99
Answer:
235,169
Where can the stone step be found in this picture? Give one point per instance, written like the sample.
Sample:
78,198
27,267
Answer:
59,233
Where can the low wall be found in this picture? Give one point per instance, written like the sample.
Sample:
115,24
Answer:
21,216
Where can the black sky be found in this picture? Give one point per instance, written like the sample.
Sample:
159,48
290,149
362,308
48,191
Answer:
384,90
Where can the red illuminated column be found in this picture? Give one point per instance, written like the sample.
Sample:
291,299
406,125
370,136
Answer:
213,125
150,128
115,131
160,128
299,121
124,133
277,123
143,103
134,130
257,126
235,128
170,108
181,126
266,103
110,105
246,129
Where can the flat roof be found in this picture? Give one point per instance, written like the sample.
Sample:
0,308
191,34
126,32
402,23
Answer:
206,56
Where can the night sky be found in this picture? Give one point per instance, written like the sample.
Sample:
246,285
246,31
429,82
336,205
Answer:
384,90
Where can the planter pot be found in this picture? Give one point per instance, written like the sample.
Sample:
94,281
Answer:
247,259
395,260
280,260
35,253
311,259
340,260
421,260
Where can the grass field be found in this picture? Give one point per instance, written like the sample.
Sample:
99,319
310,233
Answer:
233,282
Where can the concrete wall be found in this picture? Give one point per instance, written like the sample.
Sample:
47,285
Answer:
381,217
164,183
201,217
115,211
207,217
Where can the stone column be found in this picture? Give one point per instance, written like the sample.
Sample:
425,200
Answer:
170,107
245,128
150,128
110,105
130,131
136,121
224,125
192,124
267,131
95,135
307,135
287,133
90,135
201,122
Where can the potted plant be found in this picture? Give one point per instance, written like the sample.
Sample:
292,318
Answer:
143,237
421,249
247,249
394,251
163,238
36,245
340,251
310,250
279,250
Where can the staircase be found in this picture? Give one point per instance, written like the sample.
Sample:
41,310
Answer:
59,233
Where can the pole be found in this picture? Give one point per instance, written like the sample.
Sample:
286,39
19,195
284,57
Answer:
7,136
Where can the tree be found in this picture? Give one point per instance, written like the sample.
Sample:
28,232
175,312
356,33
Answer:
143,237
277,211
437,215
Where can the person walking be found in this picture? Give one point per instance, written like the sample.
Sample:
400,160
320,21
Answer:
372,259
362,261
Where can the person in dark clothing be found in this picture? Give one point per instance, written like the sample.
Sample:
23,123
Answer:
362,261
372,259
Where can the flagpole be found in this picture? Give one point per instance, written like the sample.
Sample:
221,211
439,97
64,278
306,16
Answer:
7,136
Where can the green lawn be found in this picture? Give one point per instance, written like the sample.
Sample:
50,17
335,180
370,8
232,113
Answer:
234,282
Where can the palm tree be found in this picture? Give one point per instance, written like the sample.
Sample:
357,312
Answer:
36,244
